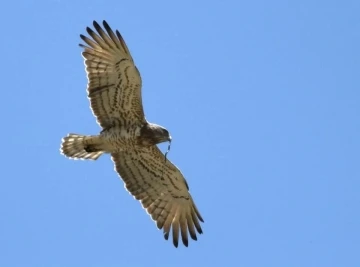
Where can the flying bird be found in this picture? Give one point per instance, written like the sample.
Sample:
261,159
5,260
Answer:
114,91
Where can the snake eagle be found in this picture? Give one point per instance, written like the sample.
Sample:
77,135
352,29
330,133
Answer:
114,90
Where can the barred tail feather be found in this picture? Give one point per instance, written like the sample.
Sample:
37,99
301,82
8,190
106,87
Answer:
77,147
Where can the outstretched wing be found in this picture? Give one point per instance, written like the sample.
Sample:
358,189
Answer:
114,82
162,190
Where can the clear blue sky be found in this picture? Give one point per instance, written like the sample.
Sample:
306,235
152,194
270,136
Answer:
261,99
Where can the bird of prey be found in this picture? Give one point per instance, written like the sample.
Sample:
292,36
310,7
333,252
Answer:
114,91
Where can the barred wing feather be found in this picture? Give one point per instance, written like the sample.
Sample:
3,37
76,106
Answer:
162,191
114,82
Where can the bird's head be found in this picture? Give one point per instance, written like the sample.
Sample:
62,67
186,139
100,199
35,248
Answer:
160,134
152,134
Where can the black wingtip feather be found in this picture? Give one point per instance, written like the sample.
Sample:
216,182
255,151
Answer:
89,31
185,242
106,25
95,23
118,35
97,26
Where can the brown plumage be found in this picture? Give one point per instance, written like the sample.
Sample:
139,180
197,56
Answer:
114,91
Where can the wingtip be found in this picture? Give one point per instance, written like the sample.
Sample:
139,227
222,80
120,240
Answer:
96,25
106,25
118,34
193,236
89,31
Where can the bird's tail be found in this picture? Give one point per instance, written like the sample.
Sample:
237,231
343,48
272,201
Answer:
77,146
